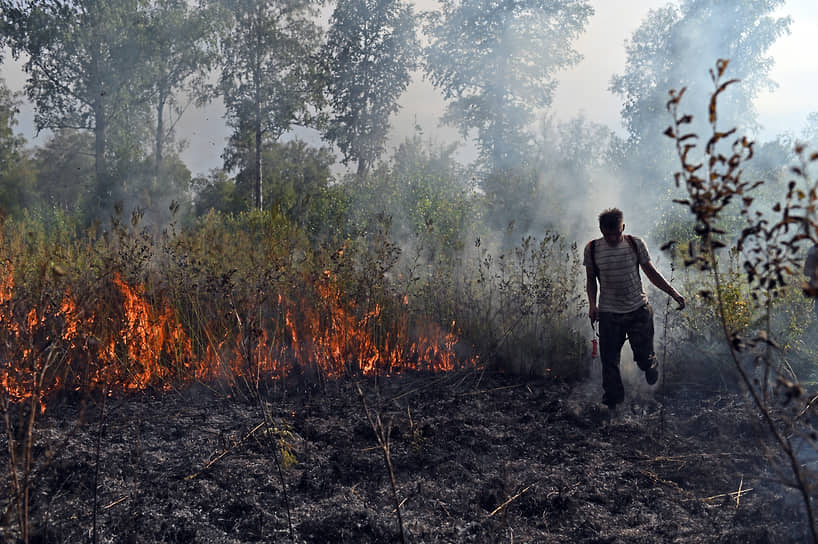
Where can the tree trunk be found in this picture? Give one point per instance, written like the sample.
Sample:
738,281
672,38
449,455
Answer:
160,137
258,164
100,166
257,75
363,167
100,126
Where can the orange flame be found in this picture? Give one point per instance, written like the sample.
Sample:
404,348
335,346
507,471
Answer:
142,345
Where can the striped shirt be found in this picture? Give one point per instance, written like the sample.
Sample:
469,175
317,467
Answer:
620,284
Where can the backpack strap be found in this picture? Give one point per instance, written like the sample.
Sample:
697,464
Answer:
635,249
593,258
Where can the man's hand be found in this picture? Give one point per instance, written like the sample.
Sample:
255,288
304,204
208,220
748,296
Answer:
593,313
680,300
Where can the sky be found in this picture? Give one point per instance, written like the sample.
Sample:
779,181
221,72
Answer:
583,89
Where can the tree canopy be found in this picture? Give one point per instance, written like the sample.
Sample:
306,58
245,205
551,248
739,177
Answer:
268,78
371,51
496,62
85,63
669,50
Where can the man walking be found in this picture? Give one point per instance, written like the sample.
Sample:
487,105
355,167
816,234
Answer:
623,310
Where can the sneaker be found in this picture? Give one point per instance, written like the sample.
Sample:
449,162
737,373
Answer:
611,402
651,375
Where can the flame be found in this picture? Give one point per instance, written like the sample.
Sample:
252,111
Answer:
128,343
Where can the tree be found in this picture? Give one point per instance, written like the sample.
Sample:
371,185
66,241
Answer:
297,175
183,46
16,172
496,60
671,49
65,169
371,51
421,192
267,79
10,143
85,65
296,181
218,192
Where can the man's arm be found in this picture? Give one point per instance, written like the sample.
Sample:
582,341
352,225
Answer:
590,288
659,281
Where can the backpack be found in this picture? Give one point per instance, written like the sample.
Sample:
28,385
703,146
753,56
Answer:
629,238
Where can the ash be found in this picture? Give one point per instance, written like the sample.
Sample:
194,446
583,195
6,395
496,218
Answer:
477,457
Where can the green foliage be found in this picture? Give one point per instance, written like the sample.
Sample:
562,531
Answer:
495,63
424,195
65,169
182,41
17,189
512,198
663,53
217,192
267,80
280,433
698,329
297,176
770,248
10,143
371,51
85,66
298,185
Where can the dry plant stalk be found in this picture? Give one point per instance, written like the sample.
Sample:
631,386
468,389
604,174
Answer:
712,185
21,459
382,434
274,446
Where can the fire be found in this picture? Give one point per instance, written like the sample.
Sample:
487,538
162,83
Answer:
128,343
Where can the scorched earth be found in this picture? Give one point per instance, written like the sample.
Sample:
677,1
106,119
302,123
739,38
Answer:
477,457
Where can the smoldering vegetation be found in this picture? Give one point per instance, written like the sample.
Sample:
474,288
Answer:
218,323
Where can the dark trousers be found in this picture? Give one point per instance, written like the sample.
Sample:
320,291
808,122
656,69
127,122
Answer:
637,326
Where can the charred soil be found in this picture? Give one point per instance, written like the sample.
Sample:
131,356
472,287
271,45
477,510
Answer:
478,457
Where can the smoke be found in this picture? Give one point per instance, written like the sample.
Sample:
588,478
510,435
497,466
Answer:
576,179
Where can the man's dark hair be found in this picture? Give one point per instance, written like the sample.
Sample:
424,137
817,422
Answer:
610,219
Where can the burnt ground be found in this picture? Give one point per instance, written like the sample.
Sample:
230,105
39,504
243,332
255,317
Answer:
478,457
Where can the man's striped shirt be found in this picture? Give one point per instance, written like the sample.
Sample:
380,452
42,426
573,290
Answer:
620,284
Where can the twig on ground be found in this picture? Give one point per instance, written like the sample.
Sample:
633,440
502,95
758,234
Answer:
119,500
685,458
429,384
807,407
734,494
394,510
225,452
738,494
491,390
443,506
510,500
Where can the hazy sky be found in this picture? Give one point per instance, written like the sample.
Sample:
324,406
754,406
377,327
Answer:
582,89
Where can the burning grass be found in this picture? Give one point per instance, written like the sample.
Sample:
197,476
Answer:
240,301
123,339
